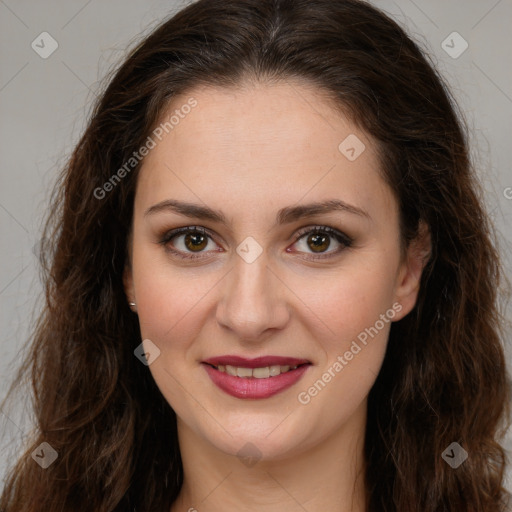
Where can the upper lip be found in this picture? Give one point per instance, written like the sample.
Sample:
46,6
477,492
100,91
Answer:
258,362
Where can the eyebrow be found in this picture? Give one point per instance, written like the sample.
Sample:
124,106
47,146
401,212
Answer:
284,216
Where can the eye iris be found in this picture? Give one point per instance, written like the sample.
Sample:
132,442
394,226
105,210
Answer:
195,241
320,242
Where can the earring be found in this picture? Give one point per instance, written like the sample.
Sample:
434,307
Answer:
132,304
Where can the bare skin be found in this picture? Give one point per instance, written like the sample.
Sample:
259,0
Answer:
248,153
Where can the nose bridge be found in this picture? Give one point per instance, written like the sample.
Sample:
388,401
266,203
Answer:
253,301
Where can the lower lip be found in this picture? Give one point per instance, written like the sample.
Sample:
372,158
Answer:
241,387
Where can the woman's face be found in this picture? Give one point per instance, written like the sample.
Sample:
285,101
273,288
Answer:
292,251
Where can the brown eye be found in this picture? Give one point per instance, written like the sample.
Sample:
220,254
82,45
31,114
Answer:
318,242
190,242
195,241
315,242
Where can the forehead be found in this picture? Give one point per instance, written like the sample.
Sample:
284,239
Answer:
263,143
288,120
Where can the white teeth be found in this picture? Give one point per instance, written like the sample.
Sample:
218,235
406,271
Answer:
261,373
230,370
275,370
257,373
244,372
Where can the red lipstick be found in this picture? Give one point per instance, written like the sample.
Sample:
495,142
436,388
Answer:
258,362
252,387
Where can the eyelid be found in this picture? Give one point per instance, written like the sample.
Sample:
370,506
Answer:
343,239
168,235
316,228
173,233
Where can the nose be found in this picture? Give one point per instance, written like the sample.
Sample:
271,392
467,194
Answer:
253,301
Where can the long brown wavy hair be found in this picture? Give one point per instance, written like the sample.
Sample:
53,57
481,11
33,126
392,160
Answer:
443,379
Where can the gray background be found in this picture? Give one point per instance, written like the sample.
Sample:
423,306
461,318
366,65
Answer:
44,104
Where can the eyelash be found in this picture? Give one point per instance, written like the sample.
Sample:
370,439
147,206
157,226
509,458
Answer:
340,237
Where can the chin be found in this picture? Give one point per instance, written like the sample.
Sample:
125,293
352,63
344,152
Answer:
268,439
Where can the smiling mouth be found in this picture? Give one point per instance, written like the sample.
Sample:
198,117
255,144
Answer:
255,378
256,373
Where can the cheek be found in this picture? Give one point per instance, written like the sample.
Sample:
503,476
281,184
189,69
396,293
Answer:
353,315
172,314
352,300
170,306
174,304
169,299
358,313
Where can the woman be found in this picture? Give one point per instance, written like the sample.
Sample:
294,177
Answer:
271,281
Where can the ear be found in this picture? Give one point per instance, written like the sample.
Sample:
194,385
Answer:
409,275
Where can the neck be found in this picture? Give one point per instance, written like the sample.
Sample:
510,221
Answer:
327,477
